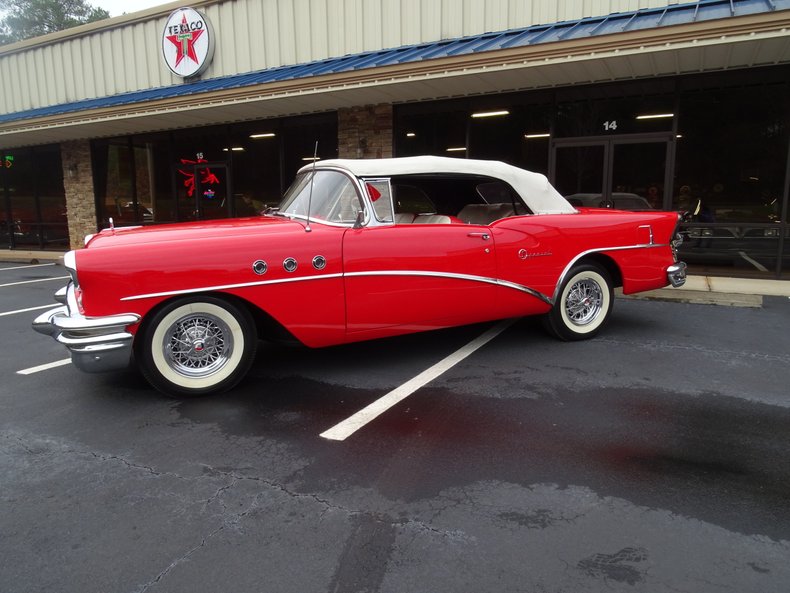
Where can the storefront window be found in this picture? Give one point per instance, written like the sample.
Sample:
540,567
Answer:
299,143
512,131
433,133
256,166
731,154
32,199
615,109
507,129
204,173
730,176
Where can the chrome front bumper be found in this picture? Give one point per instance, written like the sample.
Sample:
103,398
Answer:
676,274
96,344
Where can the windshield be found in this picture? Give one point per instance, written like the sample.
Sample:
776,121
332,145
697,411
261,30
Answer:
334,197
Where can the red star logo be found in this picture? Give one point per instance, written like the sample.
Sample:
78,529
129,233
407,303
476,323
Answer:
185,42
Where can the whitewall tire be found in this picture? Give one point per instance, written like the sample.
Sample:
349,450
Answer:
197,346
584,304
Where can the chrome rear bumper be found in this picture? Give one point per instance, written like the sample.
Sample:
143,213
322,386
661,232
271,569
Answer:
96,344
676,274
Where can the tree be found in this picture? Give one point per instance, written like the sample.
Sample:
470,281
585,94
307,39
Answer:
23,19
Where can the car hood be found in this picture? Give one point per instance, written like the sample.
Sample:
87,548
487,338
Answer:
191,231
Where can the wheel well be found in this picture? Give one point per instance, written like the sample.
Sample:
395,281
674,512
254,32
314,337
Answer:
608,264
266,326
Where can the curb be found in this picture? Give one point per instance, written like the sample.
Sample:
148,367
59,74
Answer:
714,290
18,256
698,297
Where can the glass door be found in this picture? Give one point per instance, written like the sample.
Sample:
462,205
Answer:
639,175
626,172
580,173
203,190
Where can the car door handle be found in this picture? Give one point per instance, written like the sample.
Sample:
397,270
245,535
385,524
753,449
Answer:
483,236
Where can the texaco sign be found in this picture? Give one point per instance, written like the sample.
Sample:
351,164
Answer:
187,42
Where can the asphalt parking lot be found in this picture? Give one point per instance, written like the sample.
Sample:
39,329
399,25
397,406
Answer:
655,457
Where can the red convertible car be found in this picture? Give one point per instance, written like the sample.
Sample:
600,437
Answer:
358,249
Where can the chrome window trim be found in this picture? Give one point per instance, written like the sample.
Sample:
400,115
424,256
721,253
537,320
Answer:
339,225
370,219
364,181
361,196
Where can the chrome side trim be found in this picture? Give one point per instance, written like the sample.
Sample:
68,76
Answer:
602,249
452,275
649,227
468,277
526,289
168,293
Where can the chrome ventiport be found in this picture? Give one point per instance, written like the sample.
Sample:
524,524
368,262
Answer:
290,264
319,262
260,267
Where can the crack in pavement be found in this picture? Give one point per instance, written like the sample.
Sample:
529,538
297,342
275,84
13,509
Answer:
714,352
49,447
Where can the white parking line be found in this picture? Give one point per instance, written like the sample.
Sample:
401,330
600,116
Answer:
28,309
32,281
350,425
27,266
44,367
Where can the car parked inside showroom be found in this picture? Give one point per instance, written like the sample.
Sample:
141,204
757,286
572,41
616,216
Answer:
356,250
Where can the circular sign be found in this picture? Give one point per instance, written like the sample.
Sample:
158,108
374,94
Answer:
187,42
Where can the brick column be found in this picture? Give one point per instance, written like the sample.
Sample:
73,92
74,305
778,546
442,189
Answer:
365,132
78,184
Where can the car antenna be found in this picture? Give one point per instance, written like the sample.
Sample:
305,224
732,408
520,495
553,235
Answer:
307,228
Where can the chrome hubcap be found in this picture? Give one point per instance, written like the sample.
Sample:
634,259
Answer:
584,302
198,345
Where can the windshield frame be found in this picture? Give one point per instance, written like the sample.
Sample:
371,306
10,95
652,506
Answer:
301,185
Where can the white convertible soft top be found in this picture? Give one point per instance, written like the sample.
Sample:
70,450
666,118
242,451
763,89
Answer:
534,188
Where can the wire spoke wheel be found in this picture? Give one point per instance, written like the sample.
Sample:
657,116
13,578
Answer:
197,346
583,304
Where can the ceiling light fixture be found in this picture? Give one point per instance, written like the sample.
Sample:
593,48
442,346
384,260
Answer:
531,136
456,149
655,116
491,113
263,135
